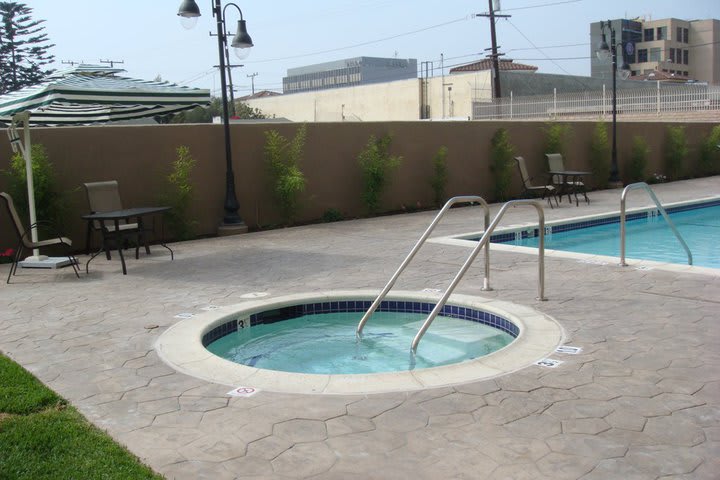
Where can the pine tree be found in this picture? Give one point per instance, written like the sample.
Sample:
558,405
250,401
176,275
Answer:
23,48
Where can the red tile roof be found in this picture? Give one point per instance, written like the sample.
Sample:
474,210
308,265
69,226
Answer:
486,64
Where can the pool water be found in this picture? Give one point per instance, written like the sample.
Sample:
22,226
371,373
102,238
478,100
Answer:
326,343
648,238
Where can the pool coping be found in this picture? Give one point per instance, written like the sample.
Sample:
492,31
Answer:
180,346
462,240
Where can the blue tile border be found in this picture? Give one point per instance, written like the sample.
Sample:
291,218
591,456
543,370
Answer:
361,306
530,232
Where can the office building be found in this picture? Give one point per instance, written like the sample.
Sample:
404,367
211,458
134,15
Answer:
349,72
684,48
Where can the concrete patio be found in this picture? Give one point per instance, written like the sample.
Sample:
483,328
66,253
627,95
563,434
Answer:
641,400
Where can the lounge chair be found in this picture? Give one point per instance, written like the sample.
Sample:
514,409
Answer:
569,184
544,191
105,197
26,241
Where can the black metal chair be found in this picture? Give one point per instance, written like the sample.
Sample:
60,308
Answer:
544,191
26,241
105,197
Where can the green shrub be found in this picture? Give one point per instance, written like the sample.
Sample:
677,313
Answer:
440,175
501,162
638,160
178,194
50,203
676,150
555,134
600,155
376,164
332,215
283,160
710,153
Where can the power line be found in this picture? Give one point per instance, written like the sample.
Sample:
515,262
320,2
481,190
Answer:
363,43
538,6
546,56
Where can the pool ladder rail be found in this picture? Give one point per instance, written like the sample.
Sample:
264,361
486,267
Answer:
484,242
646,187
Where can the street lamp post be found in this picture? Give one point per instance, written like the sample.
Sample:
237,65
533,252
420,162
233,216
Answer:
241,42
603,53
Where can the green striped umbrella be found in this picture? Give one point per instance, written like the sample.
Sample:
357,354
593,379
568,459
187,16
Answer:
88,94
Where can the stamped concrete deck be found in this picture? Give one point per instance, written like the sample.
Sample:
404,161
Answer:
642,400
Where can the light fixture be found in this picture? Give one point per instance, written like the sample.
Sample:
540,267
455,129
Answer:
241,42
188,13
603,52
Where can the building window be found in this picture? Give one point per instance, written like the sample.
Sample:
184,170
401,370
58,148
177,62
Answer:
655,54
661,33
686,74
671,57
649,37
678,34
642,55
686,36
686,57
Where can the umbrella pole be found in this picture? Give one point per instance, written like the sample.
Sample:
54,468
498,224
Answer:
26,150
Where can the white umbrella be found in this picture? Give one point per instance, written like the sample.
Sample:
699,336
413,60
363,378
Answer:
85,94
89,94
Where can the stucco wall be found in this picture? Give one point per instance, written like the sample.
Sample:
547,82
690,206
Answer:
139,157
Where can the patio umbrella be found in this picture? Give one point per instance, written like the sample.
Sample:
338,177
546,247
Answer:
83,95
88,94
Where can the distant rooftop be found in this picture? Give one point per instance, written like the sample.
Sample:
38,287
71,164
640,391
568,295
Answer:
486,64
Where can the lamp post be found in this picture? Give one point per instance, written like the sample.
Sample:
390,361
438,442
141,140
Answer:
603,53
241,42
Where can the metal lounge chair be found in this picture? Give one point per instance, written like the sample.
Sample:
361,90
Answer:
26,241
105,197
544,191
572,186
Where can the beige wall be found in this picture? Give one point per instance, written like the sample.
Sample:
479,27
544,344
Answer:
139,157
400,100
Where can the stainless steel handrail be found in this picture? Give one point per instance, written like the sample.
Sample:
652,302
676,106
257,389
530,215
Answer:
646,187
420,242
485,240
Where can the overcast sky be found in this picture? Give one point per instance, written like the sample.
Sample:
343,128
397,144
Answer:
147,36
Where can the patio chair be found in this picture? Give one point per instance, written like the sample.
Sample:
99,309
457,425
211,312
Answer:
105,197
26,241
556,164
544,191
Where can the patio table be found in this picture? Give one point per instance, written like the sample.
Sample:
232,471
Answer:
126,215
570,183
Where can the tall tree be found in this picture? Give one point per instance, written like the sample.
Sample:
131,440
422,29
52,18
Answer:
23,48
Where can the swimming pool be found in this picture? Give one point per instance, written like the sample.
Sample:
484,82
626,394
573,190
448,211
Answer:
648,237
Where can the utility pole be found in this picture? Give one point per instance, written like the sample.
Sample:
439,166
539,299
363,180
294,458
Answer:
252,81
112,62
494,55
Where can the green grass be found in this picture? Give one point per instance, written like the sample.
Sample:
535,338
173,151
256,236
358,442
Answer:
42,437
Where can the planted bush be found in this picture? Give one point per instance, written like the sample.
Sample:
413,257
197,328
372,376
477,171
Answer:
50,203
555,134
638,160
440,175
283,158
676,150
501,158
710,153
600,155
178,194
376,163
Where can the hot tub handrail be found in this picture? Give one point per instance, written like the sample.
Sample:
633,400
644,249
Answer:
659,206
420,242
485,240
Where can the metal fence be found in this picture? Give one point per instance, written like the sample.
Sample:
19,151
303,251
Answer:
647,101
